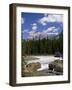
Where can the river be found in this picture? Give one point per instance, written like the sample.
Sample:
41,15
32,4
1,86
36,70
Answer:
43,60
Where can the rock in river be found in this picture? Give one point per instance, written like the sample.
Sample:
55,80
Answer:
31,67
56,65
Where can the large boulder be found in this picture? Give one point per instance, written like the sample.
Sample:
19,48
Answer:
56,65
32,67
58,68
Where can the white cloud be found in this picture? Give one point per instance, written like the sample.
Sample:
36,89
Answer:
59,18
22,20
50,18
43,21
51,31
34,26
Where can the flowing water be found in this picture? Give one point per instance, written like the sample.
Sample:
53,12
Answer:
43,60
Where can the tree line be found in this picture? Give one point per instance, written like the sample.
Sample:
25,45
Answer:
42,46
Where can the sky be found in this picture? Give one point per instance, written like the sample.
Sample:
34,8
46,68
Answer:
44,25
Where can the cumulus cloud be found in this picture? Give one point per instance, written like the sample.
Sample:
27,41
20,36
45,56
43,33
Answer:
50,18
51,31
34,26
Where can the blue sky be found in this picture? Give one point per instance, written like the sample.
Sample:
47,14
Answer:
40,24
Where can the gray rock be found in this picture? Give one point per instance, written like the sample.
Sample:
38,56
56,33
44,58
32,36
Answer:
58,68
56,65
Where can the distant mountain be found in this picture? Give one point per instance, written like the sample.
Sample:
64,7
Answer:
50,33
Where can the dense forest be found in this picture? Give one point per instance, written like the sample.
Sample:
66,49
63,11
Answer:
43,46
